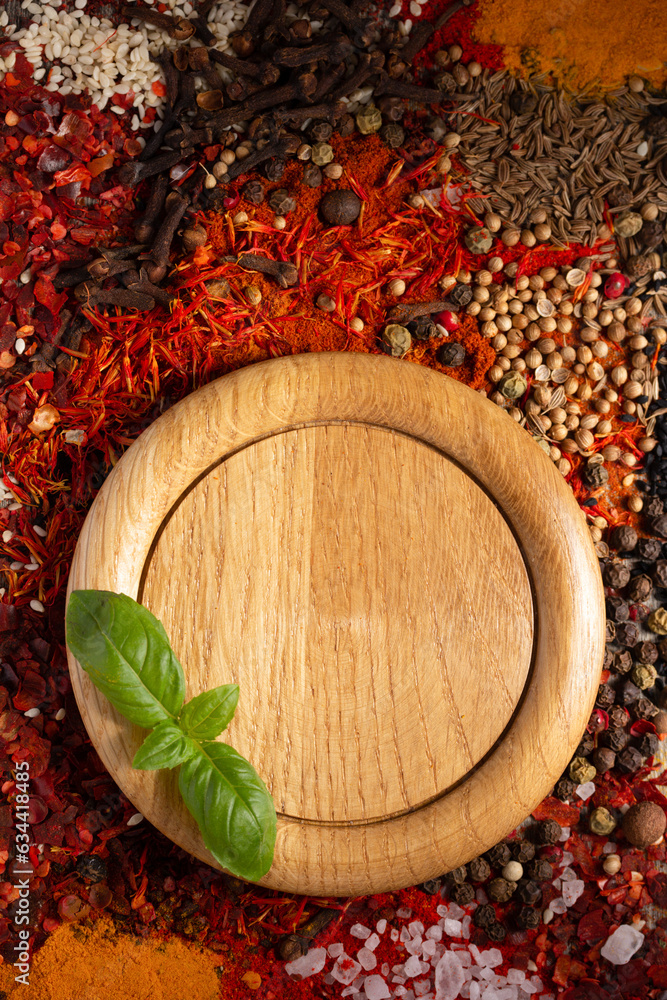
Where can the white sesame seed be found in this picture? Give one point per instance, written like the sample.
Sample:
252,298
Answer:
15,566
60,715
80,4
39,530
7,535
135,819
395,10
17,505
32,565
37,606
32,713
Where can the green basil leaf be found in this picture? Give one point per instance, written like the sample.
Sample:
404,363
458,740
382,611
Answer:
205,716
232,807
166,746
126,653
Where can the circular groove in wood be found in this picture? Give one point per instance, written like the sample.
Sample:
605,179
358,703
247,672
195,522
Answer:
346,600
520,769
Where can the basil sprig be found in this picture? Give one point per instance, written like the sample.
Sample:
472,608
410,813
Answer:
126,653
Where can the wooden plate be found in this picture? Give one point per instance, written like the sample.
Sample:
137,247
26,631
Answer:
399,580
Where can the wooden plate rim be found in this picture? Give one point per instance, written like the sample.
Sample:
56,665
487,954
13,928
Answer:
545,521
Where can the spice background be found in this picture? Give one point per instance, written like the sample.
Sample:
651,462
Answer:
111,892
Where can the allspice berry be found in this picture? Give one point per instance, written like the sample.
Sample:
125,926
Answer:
644,823
193,237
340,207
660,722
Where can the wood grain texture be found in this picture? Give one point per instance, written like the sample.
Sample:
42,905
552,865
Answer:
355,540
371,602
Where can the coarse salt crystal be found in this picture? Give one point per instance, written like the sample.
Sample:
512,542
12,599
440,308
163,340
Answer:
381,926
336,949
359,931
308,964
375,988
586,790
345,969
452,927
449,977
622,944
413,966
367,959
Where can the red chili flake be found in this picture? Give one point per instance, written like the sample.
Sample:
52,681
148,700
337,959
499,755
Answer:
552,808
99,165
58,231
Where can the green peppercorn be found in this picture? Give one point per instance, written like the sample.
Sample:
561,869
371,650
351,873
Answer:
581,770
644,675
321,154
396,340
657,621
601,822
478,239
513,385
369,119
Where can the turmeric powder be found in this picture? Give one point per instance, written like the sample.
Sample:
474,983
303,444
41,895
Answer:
581,44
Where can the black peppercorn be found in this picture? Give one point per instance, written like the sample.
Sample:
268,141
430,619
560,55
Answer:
651,234
609,631
608,659
321,132
595,476
648,745
540,870
346,126
392,135
92,868
312,175
254,192
499,890
499,855
640,587
616,575
462,894
603,759
451,355
613,739
659,575
659,525
649,548
629,760
274,168
461,295
622,662
605,697
627,634
479,870
340,207
495,932
456,876
586,746
522,851
643,708
529,891
484,916
617,609
528,919
431,887
564,789
423,328
618,717
646,652
548,831
628,694
282,202
624,538
653,507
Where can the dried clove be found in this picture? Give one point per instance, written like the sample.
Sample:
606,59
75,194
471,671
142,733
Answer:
244,41
285,273
369,63
334,52
264,72
200,63
361,27
409,311
408,91
159,253
290,946
145,227
146,287
92,295
134,171
176,27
